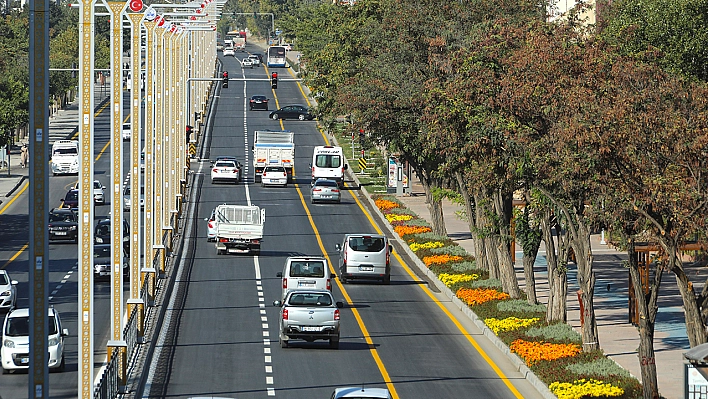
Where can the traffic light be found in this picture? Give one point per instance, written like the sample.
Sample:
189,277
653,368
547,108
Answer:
274,80
189,132
225,82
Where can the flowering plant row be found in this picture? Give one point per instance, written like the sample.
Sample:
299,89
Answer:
405,230
476,296
392,217
452,279
433,259
426,245
385,204
508,324
584,388
533,352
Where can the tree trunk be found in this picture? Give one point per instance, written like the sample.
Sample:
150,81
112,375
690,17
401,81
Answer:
694,324
586,281
529,278
529,235
434,205
484,229
556,309
503,209
647,318
471,209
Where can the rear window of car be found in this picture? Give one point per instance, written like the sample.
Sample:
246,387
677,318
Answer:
225,164
366,244
326,183
310,299
274,169
307,269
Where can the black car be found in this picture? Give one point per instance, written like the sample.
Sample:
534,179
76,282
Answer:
102,233
102,260
71,199
63,225
230,158
300,112
258,102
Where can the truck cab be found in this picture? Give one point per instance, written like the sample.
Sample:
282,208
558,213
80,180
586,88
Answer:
65,157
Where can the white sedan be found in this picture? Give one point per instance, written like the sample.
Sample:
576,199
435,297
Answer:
8,292
274,176
225,170
229,51
247,62
99,196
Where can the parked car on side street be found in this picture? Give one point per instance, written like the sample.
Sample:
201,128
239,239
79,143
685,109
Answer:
8,292
325,190
300,112
258,101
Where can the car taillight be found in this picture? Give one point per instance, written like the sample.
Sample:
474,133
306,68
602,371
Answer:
316,189
254,241
235,171
285,283
215,170
223,240
335,190
313,172
264,173
211,225
329,284
336,314
285,314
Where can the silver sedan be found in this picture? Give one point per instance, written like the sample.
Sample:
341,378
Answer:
325,190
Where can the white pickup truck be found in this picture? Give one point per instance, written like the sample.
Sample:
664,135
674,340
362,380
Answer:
239,228
309,315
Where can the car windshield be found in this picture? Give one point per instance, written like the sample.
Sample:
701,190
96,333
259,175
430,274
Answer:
97,185
66,151
19,326
61,217
366,244
103,229
307,269
4,280
328,161
326,183
310,299
72,196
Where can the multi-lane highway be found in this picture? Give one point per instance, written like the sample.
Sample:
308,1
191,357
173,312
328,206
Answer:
63,279
223,340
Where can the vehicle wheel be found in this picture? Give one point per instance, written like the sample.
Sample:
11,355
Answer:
387,279
301,117
285,185
274,117
343,279
334,343
262,184
339,201
283,343
218,251
5,371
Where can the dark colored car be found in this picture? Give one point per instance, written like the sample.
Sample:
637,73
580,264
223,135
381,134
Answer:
230,158
102,261
102,233
258,102
71,199
63,225
300,112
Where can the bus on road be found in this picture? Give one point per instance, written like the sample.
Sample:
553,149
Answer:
276,57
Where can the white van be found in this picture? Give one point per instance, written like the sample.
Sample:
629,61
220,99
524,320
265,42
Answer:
65,157
365,256
305,272
328,163
15,352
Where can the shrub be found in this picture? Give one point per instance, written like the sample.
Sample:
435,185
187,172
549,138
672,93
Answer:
520,306
602,367
417,222
402,211
429,236
556,332
464,266
454,250
488,283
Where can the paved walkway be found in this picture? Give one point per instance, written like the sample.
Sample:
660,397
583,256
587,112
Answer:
618,338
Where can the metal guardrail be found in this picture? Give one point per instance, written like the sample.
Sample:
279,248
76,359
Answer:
130,332
107,387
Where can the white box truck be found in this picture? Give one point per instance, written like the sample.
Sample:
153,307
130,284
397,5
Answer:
328,163
273,148
239,228
65,157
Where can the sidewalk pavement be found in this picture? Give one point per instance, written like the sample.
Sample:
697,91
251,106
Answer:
62,125
619,339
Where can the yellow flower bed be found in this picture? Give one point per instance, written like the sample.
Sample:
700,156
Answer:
426,245
508,324
404,230
439,259
452,279
476,296
391,217
584,388
386,204
532,352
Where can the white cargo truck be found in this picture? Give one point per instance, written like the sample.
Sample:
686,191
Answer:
239,228
65,157
328,163
273,148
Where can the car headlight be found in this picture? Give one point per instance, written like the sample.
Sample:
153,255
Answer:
6,293
53,341
9,343
72,228
99,240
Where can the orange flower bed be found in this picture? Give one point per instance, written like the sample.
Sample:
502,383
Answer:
533,352
439,259
476,296
386,204
404,230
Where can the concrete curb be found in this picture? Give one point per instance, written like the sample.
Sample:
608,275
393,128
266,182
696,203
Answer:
17,185
519,364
